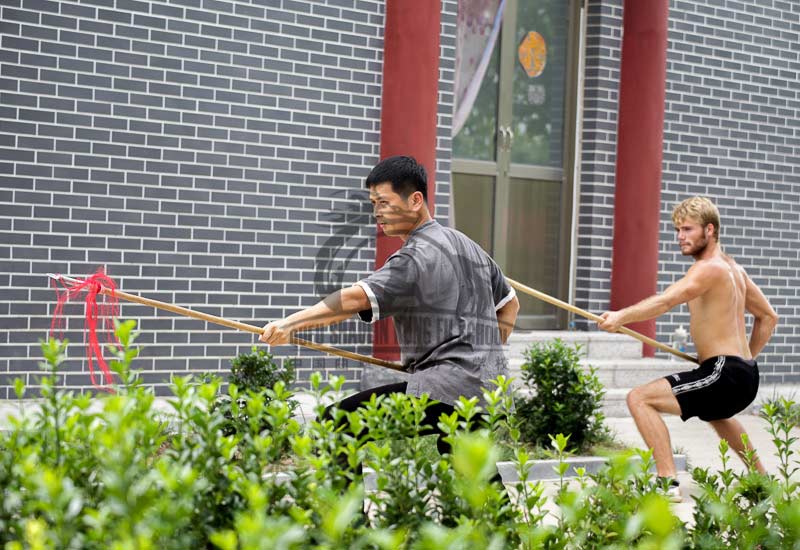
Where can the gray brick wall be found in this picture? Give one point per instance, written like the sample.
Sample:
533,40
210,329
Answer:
444,142
732,132
732,119
598,157
209,153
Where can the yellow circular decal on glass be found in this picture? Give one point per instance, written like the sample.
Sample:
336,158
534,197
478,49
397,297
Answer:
533,54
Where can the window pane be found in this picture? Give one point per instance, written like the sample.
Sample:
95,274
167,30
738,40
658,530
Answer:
476,140
533,240
474,202
539,82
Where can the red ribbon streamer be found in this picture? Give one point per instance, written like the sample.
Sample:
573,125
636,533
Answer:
107,309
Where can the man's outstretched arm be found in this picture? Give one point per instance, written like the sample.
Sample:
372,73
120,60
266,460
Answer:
696,282
336,307
765,318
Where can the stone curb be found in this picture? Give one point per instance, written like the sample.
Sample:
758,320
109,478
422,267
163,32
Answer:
545,470
540,470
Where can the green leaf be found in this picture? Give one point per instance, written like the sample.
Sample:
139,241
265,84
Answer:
225,540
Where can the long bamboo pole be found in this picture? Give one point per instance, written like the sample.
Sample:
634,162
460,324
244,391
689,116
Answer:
235,324
591,316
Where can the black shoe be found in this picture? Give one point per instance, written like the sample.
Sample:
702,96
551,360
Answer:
670,488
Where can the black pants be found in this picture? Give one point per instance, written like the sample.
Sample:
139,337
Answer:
432,413
430,421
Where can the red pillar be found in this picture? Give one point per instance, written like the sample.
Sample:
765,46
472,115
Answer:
408,113
637,198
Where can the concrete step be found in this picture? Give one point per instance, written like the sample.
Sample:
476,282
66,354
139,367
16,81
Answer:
612,406
629,373
621,373
614,403
595,345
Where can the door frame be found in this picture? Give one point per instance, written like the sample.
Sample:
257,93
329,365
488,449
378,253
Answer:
501,168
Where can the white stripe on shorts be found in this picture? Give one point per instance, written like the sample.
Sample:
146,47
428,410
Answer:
703,382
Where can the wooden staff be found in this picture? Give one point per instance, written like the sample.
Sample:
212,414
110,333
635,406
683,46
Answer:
591,316
235,324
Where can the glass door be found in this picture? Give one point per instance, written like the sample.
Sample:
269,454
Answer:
512,158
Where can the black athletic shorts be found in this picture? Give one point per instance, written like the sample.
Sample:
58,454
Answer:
719,388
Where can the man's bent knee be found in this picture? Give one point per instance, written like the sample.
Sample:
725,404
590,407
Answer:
656,394
640,395
635,398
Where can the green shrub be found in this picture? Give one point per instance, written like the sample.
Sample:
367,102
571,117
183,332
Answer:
563,397
258,371
253,373
752,510
787,408
76,476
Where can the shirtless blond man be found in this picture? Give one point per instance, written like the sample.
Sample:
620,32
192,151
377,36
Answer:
718,292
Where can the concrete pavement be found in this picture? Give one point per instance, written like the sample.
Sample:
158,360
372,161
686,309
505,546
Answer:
700,443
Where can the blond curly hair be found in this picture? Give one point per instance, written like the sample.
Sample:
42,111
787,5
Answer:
701,210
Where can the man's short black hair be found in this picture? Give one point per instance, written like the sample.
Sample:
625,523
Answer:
404,173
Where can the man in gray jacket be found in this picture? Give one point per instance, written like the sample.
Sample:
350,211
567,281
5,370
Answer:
451,304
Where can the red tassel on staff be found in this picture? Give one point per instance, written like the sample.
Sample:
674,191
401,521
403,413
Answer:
99,283
108,309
